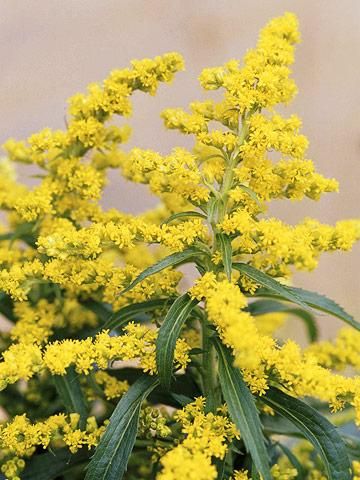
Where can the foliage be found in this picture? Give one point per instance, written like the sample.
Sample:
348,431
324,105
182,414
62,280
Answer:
110,368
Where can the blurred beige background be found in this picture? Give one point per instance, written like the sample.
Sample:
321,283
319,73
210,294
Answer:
49,49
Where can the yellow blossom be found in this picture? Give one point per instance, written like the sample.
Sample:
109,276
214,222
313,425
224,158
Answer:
206,436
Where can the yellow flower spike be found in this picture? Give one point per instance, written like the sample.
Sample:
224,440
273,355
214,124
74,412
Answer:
206,435
136,344
66,265
113,388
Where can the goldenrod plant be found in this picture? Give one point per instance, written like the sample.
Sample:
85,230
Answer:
112,366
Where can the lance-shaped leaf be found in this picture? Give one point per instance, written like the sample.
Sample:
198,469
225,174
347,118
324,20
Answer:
6,236
226,252
113,452
120,318
352,444
178,215
169,333
301,472
314,300
172,260
269,283
242,409
321,302
316,428
183,391
262,307
309,322
69,389
251,193
51,465
25,232
6,306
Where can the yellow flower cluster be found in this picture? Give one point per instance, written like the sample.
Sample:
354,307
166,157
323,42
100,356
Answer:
237,328
36,323
207,435
86,276
73,227
274,245
262,359
70,178
22,361
90,111
65,262
18,279
278,472
177,173
356,469
264,79
182,464
112,387
20,438
10,189
268,323
152,422
340,353
291,178
65,240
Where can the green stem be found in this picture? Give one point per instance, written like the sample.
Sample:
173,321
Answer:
210,378
228,179
233,160
210,370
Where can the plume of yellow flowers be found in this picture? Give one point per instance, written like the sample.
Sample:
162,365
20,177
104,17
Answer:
97,319
206,436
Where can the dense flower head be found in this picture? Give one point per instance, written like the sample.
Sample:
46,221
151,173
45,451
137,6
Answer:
263,360
23,360
206,436
263,80
88,292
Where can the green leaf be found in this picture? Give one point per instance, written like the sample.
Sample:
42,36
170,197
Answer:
251,194
316,301
270,283
309,321
242,409
178,215
254,472
170,261
352,444
115,447
70,392
125,314
7,236
181,400
262,307
220,464
316,428
49,466
184,385
226,252
6,306
169,333
277,425
321,302
24,232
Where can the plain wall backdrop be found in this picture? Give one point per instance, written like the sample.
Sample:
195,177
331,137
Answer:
50,49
